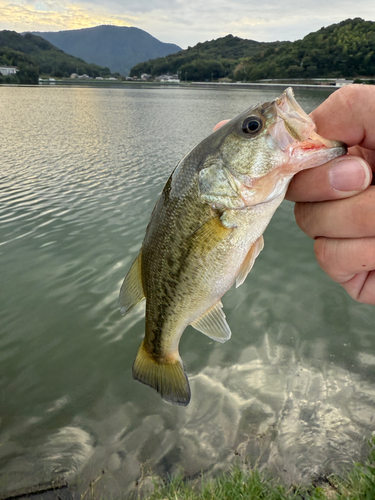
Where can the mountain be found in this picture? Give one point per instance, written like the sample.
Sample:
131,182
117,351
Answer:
33,56
211,59
346,49
117,47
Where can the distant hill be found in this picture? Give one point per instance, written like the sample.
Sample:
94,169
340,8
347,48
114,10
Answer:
34,56
212,59
117,47
346,49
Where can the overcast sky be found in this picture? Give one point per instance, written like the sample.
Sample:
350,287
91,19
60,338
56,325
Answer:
186,22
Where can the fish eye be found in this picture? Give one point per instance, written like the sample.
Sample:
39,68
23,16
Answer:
252,125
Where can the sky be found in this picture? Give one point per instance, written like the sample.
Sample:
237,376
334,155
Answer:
186,22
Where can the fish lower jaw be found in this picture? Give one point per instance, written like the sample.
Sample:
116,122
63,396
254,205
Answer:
315,144
305,148
309,156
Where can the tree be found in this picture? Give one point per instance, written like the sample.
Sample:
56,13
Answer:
27,74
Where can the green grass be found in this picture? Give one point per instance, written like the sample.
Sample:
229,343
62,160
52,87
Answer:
237,484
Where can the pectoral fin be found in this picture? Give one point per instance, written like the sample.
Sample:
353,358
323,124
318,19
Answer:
213,324
210,234
249,261
131,292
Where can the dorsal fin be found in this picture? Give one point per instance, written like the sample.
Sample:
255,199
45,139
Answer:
213,324
249,260
131,292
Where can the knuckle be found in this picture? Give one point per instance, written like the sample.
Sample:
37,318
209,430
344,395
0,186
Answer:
321,253
362,212
302,216
327,255
367,293
350,95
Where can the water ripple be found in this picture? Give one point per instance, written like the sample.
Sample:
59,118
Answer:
292,389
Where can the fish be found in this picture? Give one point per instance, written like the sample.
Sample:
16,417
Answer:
206,231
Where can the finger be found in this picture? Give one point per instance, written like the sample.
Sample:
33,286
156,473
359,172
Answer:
220,124
366,154
350,262
339,178
346,218
362,287
348,115
342,259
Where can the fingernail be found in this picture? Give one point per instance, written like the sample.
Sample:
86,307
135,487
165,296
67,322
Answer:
351,174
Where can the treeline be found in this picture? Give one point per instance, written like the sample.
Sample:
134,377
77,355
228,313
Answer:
346,49
205,61
33,56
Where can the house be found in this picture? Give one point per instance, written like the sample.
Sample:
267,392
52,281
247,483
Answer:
168,78
8,70
341,82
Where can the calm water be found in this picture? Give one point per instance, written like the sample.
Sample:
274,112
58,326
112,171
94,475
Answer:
293,390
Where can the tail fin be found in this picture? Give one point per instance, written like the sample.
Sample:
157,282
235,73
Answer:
168,379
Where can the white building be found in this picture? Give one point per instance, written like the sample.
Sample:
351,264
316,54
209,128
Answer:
168,78
341,82
8,70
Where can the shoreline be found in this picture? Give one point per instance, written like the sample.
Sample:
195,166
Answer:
185,85
259,85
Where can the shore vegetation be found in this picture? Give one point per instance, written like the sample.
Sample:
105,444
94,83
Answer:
240,484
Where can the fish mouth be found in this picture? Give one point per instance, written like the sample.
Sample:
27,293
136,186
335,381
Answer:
295,133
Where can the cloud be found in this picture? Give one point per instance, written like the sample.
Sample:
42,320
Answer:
47,16
186,23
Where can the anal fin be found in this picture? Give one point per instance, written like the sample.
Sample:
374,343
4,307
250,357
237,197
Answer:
213,324
248,263
131,292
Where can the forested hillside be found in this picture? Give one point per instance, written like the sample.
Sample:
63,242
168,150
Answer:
34,56
214,59
346,49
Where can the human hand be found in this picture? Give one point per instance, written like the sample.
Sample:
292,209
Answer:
335,203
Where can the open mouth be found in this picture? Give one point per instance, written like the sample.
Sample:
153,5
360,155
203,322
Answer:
294,130
300,149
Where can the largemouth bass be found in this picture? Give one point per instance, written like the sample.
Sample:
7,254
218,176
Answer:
206,231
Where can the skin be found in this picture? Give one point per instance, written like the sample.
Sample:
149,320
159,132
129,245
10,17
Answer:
335,203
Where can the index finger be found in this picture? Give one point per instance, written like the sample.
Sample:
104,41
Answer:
348,116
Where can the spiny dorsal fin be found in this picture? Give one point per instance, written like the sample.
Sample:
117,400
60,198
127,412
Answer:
132,290
168,379
249,260
213,324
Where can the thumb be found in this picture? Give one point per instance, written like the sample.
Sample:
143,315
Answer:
340,178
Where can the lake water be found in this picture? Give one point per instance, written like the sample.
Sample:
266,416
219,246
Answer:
294,388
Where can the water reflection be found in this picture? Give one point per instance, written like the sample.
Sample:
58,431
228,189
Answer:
271,408
81,171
